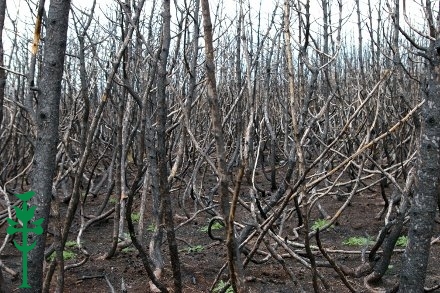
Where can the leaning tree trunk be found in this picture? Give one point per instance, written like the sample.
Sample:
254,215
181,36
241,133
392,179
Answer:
47,121
215,112
424,205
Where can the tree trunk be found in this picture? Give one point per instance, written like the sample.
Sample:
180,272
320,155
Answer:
424,205
47,121
3,286
2,71
215,110
216,117
164,189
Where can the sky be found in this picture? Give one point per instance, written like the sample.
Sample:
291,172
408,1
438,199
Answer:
23,11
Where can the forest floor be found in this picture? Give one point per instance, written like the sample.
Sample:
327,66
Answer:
201,263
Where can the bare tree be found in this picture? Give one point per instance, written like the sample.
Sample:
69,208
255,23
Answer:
164,189
47,119
215,114
2,70
154,120
426,197
3,286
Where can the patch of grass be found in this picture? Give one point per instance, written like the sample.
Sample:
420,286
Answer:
358,241
402,241
194,249
67,255
320,223
135,217
215,226
128,250
152,228
71,244
220,286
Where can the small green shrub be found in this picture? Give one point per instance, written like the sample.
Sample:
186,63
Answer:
194,249
128,250
358,241
215,226
320,223
135,217
152,228
402,241
220,285
67,255
71,244
113,200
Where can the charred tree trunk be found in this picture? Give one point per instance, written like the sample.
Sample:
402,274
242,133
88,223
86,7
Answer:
47,121
216,117
164,189
424,205
2,71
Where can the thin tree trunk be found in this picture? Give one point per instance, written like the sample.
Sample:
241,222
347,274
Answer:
3,287
47,121
2,71
217,130
164,189
214,106
424,205
28,103
360,49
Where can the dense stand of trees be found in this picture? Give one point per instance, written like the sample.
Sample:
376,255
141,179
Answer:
180,105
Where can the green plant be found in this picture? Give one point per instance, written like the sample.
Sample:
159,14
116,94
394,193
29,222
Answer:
221,285
215,226
152,228
194,249
320,223
358,241
402,241
128,250
67,255
113,200
135,217
71,244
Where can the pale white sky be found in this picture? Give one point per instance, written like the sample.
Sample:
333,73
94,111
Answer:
25,20
22,8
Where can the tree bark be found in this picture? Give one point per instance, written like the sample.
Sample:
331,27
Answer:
2,71
424,204
47,122
215,110
164,189
216,117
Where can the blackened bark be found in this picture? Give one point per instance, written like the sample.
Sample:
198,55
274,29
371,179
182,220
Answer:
33,62
424,205
47,121
216,117
214,107
2,71
164,189
3,286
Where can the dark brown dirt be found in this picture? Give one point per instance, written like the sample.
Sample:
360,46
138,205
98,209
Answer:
199,269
